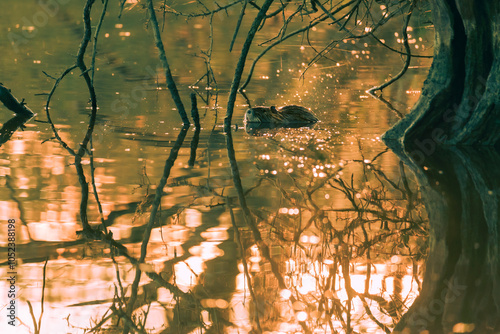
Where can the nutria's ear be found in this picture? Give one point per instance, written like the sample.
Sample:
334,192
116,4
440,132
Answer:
273,109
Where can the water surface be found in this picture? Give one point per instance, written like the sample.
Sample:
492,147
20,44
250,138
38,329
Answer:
340,214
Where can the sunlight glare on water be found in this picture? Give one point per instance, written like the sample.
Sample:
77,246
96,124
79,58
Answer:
333,238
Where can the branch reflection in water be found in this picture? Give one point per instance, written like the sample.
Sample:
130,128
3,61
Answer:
300,241
330,267
320,243
339,247
11,126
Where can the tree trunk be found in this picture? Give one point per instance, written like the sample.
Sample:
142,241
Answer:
461,285
460,102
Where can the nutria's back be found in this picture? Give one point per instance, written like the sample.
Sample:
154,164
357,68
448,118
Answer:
281,116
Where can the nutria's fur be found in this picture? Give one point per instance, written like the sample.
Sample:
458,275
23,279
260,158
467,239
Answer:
281,116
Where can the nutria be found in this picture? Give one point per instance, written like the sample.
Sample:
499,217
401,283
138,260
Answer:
286,115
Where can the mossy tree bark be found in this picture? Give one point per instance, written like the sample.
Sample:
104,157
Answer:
460,102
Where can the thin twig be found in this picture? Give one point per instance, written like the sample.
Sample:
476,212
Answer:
397,51
96,35
47,110
163,58
408,54
284,38
238,24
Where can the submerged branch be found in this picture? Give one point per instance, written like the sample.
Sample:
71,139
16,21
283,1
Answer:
11,126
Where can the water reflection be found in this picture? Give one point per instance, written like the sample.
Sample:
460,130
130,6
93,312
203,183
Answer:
305,229
335,265
11,126
323,243
460,291
256,129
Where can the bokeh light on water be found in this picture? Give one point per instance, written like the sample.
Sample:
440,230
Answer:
344,225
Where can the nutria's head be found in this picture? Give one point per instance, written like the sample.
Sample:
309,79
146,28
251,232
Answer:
262,115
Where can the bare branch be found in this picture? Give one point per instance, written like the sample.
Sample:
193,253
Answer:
241,63
408,54
163,58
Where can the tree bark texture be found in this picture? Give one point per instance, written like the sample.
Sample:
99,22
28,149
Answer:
460,102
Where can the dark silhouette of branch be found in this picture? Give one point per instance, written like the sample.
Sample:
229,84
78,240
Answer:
164,62
293,33
241,63
80,63
238,24
13,104
279,10
196,137
195,115
11,126
207,11
408,54
350,34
